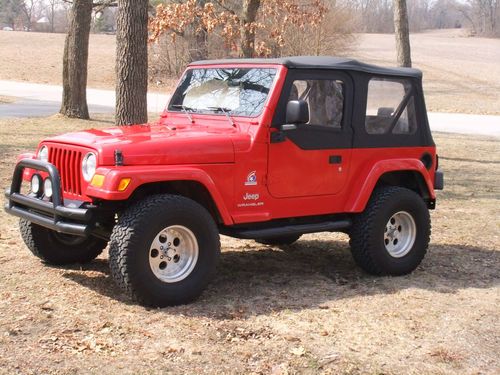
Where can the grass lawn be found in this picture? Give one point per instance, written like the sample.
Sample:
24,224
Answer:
308,309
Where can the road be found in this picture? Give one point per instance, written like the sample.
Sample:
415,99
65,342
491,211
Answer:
99,101
43,100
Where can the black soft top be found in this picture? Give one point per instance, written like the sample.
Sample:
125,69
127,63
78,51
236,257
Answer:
319,62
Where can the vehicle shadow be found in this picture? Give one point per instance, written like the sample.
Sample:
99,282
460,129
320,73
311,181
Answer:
309,274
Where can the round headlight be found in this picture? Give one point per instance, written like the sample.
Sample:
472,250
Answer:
36,183
43,153
89,165
47,188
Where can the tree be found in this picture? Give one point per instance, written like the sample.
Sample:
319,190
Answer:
75,59
486,14
29,9
402,32
11,11
51,12
131,62
247,29
251,27
197,36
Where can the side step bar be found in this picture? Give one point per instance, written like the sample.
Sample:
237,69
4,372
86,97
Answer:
325,226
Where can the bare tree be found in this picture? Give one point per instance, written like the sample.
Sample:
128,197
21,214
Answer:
75,58
51,12
131,62
29,9
487,15
402,32
11,11
76,51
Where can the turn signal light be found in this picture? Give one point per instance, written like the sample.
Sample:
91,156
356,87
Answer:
123,184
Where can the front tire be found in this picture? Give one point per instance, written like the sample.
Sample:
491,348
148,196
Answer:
57,248
391,236
164,250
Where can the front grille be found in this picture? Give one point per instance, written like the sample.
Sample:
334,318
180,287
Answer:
68,163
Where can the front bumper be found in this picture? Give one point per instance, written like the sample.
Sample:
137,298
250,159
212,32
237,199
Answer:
52,215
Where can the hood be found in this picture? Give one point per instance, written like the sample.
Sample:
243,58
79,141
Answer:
156,144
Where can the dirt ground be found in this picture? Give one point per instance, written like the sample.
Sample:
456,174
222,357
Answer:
302,309
37,57
461,74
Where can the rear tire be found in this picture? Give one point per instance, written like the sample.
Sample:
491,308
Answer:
279,240
57,248
164,250
391,236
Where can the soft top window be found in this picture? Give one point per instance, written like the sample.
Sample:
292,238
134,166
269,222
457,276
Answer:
238,91
390,107
325,99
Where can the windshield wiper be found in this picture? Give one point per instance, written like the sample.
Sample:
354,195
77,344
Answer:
225,111
185,110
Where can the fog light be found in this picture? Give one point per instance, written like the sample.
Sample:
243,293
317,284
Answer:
47,187
36,184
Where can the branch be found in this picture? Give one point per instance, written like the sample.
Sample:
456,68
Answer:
98,5
101,5
224,7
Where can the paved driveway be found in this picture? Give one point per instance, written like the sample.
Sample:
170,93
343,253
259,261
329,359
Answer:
99,100
35,108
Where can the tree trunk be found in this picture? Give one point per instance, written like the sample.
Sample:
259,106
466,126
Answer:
402,33
131,62
76,52
248,16
197,37
52,15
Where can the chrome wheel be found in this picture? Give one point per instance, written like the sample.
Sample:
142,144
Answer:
400,234
173,254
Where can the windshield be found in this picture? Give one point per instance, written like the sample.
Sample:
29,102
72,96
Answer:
238,91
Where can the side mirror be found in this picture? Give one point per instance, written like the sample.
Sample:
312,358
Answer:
297,112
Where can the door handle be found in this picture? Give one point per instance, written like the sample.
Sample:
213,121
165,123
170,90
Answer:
335,159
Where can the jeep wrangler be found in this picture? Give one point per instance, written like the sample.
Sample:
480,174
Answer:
263,149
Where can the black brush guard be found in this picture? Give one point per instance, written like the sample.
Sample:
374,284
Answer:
49,214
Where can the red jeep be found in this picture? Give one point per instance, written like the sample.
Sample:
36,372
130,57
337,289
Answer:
259,149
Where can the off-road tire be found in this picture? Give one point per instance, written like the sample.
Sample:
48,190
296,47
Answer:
279,240
132,236
367,232
59,249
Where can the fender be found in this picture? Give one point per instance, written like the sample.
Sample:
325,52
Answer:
140,175
358,198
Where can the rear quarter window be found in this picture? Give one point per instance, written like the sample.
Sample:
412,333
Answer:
390,107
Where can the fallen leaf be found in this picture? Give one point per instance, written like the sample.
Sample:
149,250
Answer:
299,351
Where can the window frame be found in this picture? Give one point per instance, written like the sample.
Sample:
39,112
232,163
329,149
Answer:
169,107
402,106
337,81
317,137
